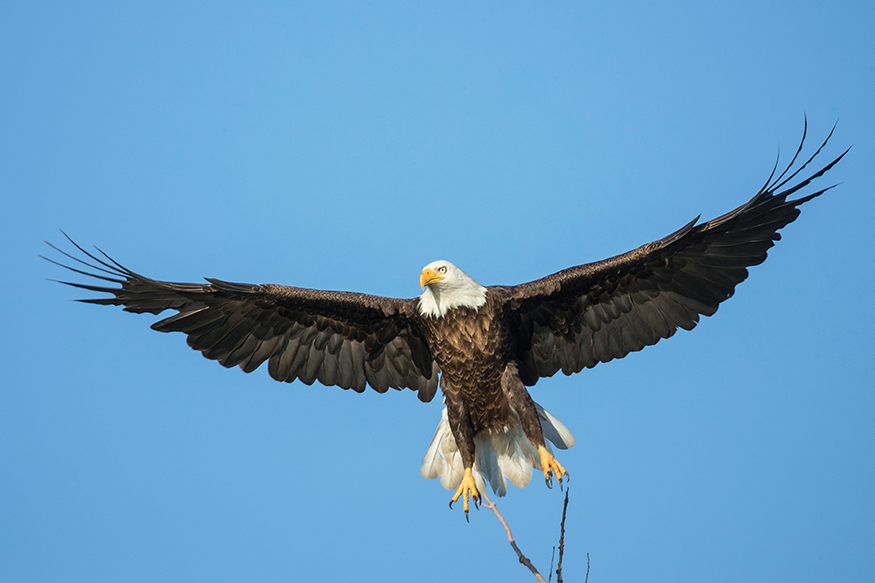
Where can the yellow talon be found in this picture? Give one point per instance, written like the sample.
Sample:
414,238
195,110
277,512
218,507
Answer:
551,467
467,488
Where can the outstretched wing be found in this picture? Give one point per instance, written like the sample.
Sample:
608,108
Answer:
597,312
338,338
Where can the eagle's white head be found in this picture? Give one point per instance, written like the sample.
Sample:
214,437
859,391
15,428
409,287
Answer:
447,287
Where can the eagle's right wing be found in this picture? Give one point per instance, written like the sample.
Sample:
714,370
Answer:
338,338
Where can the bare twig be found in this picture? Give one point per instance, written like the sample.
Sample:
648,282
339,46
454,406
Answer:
552,558
562,538
491,505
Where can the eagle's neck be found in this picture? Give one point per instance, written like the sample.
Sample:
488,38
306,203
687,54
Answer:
436,301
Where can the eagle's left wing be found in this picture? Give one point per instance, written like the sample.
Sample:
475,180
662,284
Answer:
600,311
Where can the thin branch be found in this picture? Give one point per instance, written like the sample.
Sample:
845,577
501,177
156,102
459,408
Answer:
562,538
491,505
552,558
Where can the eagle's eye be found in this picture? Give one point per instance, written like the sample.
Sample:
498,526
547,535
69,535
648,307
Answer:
442,269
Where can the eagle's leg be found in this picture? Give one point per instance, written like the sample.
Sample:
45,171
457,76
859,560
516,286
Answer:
522,403
463,433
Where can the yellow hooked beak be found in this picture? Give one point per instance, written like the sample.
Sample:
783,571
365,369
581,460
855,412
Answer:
427,277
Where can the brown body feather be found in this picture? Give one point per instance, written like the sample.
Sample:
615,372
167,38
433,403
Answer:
472,348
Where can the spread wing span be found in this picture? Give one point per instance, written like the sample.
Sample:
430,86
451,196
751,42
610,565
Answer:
338,338
600,311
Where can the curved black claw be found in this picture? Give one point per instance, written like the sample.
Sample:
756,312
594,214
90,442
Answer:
477,501
549,481
466,512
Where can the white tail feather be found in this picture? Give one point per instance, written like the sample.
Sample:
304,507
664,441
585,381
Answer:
554,430
500,456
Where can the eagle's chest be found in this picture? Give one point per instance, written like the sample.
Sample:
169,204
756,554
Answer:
467,338
471,348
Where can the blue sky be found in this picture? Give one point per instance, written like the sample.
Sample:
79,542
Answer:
345,146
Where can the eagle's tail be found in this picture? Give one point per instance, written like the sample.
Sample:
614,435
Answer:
499,455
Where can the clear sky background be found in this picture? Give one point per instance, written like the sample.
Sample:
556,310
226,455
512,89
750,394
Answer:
339,146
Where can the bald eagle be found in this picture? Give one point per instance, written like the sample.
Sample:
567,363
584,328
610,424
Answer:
482,345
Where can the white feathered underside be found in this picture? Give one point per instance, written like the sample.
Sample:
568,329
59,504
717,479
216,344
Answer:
500,456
